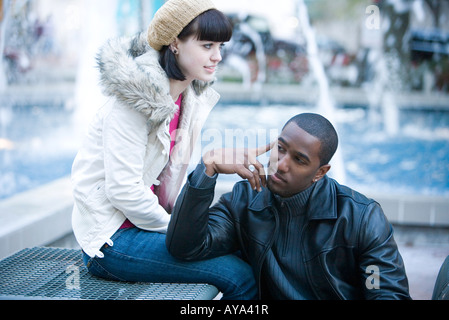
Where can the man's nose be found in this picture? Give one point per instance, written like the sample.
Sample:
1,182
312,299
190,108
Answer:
283,163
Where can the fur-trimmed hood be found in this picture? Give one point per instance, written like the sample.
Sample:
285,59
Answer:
130,72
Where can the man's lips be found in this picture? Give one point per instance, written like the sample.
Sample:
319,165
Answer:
278,178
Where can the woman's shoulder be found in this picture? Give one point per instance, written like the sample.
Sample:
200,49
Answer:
130,73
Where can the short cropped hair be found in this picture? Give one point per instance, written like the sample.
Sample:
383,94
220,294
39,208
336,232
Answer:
211,25
321,128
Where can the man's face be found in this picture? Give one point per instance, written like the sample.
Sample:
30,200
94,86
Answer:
298,162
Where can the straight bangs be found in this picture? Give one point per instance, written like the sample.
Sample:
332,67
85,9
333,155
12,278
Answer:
211,25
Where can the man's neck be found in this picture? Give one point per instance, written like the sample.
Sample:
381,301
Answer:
298,200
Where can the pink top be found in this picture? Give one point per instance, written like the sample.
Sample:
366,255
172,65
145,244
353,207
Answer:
173,126
175,122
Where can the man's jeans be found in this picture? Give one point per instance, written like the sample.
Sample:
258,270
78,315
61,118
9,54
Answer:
141,256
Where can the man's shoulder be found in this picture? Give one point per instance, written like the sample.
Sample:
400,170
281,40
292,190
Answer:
243,195
242,189
354,204
349,194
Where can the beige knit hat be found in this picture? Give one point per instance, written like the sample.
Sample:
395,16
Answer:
172,18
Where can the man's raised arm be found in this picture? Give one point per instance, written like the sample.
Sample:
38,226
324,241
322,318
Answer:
197,231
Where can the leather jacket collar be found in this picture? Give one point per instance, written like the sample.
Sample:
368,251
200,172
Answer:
318,200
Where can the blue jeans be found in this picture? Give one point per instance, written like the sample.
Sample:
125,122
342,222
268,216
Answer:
141,256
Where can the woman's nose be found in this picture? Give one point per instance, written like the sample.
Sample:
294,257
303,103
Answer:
216,57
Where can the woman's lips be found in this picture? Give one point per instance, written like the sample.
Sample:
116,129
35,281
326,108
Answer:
211,69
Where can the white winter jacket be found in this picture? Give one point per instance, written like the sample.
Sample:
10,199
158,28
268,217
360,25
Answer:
127,147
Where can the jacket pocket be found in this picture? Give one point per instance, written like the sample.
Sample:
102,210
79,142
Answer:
333,274
98,203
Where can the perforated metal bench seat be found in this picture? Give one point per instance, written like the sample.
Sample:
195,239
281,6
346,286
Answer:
54,273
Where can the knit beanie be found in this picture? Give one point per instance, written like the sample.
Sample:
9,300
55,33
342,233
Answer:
172,18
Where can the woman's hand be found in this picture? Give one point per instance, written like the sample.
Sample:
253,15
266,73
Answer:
240,161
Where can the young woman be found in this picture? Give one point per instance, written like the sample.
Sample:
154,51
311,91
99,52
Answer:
128,173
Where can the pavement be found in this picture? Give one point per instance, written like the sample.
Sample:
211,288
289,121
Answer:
422,264
423,250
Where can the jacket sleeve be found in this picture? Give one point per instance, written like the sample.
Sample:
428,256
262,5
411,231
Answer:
381,265
196,230
125,139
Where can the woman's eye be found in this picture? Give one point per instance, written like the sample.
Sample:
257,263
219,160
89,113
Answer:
208,45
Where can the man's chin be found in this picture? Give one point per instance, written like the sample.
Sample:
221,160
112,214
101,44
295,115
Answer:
275,189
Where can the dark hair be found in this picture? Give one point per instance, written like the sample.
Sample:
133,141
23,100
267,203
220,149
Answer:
321,128
211,25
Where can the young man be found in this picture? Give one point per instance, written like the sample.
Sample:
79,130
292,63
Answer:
305,236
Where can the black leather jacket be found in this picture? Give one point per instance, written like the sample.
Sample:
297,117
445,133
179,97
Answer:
345,240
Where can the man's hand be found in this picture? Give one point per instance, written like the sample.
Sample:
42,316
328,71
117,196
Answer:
240,161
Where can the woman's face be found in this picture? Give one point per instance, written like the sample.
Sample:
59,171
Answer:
198,59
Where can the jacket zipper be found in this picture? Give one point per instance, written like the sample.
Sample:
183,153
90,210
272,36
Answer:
303,258
287,222
262,257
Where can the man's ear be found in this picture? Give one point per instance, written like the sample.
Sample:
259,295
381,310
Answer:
321,172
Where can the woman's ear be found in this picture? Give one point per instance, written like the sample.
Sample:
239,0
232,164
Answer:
174,47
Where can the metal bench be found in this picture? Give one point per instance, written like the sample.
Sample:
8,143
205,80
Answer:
52,273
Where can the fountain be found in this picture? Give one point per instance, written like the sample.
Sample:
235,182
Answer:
325,104
382,102
40,130
5,107
368,159
260,53
239,51
372,158
3,24
88,95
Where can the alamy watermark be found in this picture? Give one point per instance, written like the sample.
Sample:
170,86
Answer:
72,282
373,280
372,22
210,139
